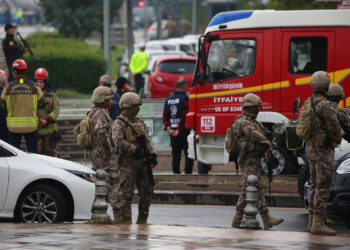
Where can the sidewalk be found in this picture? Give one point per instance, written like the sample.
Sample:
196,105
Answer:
85,236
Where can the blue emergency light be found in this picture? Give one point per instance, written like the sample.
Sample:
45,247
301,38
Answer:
230,16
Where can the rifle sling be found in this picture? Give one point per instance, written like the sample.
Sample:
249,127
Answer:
129,125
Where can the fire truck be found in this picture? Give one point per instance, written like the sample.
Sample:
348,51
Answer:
269,53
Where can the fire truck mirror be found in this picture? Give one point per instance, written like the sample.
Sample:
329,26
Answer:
296,104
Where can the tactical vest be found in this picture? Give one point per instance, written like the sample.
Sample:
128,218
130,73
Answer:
22,106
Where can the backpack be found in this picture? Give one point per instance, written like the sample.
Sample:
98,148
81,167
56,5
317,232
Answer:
231,145
86,138
306,119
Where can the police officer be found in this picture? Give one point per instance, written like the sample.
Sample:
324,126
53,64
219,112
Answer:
22,98
137,66
48,112
100,154
252,145
130,162
3,125
174,116
326,135
12,50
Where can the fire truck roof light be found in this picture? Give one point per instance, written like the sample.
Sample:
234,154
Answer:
230,16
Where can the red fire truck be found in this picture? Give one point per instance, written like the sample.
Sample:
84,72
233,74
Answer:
270,53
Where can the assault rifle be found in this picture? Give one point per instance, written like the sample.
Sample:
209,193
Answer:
345,123
25,43
272,162
149,158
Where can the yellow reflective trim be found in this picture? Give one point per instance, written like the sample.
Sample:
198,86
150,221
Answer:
341,104
35,105
8,105
21,81
303,80
347,102
268,86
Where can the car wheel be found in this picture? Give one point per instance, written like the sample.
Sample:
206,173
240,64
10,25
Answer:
303,184
41,204
282,162
203,168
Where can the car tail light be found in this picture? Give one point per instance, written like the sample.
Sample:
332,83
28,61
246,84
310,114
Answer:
150,28
159,79
126,69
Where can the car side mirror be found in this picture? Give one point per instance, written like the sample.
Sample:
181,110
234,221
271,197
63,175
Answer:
296,104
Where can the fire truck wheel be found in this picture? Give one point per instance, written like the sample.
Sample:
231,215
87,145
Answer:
203,168
282,163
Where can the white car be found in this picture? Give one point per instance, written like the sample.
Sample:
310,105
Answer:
38,188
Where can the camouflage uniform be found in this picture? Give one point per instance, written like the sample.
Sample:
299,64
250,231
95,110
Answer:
100,155
130,164
326,135
252,146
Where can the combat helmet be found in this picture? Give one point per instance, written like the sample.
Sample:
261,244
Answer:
101,94
320,80
250,100
336,90
129,99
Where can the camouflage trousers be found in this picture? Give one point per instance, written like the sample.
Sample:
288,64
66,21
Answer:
46,146
123,192
321,162
107,164
251,166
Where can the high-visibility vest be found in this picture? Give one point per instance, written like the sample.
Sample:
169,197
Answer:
21,98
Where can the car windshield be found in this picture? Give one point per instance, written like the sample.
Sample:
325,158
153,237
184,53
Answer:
177,67
232,58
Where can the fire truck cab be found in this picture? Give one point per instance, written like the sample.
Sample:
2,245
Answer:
269,53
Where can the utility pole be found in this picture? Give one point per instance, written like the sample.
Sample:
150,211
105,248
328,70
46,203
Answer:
159,19
129,31
106,35
194,16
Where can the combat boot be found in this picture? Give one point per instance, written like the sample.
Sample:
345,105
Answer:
236,222
319,227
311,216
269,221
142,219
117,218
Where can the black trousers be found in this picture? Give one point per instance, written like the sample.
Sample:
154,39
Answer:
139,83
179,144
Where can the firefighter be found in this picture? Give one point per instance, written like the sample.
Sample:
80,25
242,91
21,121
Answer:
12,50
174,115
22,98
48,113
138,65
3,125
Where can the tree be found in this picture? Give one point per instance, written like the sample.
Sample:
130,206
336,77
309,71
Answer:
77,18
300,5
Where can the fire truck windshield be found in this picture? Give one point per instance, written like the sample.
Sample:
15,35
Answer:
228,59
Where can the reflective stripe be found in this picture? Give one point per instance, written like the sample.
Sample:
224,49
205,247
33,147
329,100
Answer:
35,105
8,105
22,122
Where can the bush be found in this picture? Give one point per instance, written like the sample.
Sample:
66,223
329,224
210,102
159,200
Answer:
72,64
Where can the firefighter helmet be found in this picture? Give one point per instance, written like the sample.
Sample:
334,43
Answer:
19,64
41,74
320,80
129,99
250,100
102,94
336,90
3,73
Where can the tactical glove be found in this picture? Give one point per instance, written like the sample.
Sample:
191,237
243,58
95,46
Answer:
139,153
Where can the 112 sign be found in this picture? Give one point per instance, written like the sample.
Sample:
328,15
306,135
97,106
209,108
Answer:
208,124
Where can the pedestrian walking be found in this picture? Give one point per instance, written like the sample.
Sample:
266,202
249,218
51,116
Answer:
174,116
138,66
326,134
12,49
48,112
247,135
22,99
131,165
100,120
3,113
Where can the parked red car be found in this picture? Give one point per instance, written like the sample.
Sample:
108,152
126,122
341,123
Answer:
167,71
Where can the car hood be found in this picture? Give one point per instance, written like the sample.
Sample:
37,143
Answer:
63,164
342,151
